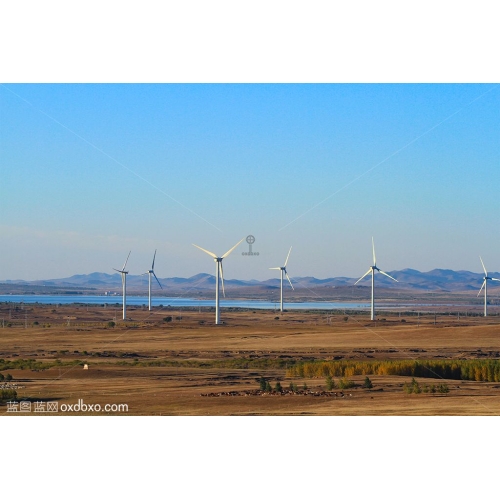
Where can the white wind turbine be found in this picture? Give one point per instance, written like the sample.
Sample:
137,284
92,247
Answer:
152,272
485,286
372,270
124,286
283,271
219,276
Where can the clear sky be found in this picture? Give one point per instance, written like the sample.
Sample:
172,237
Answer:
92,171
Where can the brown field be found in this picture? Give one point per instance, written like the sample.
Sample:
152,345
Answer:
202,360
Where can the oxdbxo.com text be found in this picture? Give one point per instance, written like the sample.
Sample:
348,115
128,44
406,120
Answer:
80,406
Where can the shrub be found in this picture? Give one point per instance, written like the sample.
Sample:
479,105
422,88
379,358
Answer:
415,386
7,394
293,387
8,377
35,323
111,324
367,384
412,387
330,384
345,383
304,387
443,388
276,317
167,319
346,318
1,377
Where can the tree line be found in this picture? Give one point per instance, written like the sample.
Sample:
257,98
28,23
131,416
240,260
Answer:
463,369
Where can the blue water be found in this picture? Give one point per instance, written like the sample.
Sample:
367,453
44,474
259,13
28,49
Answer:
174,302
187,302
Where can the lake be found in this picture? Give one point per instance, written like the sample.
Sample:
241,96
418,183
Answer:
188,302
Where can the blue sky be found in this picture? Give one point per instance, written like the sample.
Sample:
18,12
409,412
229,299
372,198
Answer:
92,171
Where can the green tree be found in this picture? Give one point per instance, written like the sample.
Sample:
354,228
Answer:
268,387
278,388
8,377
262,383
330,384
367,384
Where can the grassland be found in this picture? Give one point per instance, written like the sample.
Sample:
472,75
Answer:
189,366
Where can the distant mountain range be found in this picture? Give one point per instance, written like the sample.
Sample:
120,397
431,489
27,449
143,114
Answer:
439,280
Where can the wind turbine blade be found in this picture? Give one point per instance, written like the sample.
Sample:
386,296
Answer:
366,274
494,279
385,274
144,273
373,248
229,251
222,278
158,280
481,289
125,265
153,265
286,274
206,251
286,261
275,268
117,270
485,272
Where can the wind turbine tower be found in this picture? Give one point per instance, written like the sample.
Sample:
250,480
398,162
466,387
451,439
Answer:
283,271
219,277
485,286
124,286
372,270
152,272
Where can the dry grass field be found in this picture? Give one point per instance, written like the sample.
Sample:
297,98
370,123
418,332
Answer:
189,366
